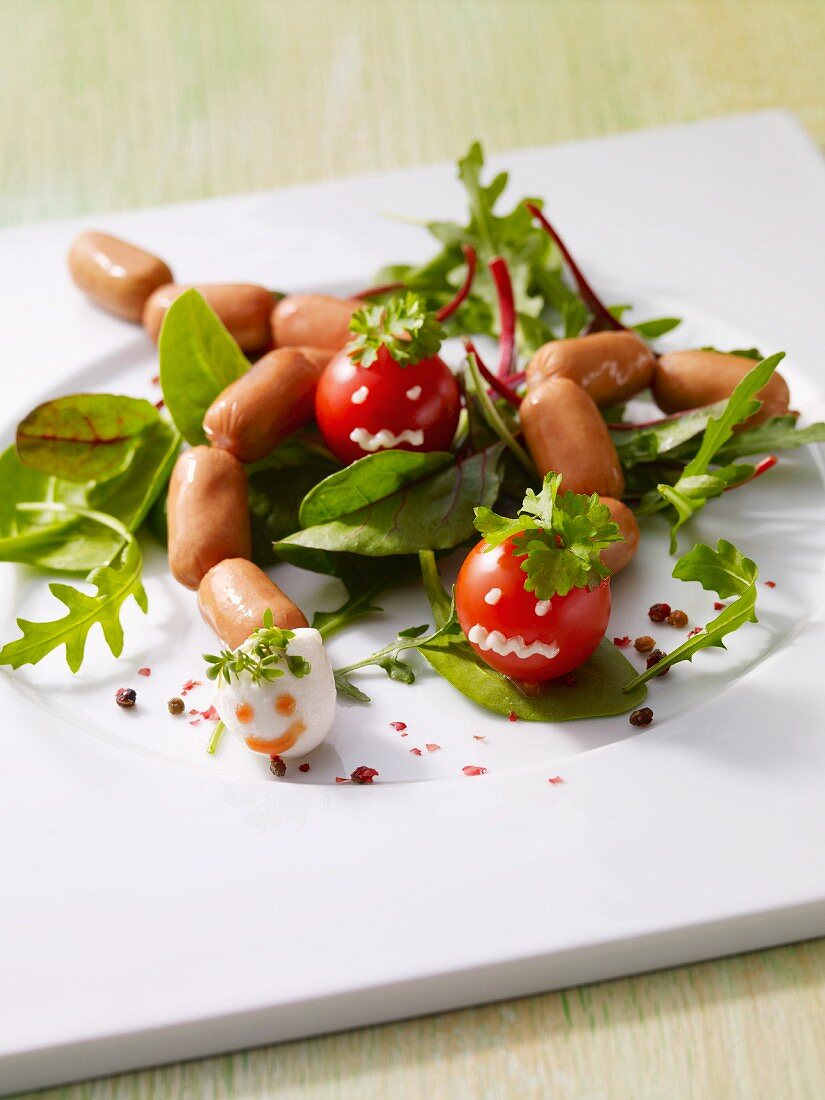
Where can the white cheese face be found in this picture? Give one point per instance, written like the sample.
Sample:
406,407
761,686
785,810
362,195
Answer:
286,717
375,441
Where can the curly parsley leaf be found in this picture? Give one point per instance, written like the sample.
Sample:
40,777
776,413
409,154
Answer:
561,536
402,325
726,572
114,582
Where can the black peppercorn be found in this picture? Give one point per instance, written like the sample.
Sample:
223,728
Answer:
642,717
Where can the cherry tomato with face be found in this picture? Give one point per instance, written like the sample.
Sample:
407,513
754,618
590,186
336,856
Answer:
518,635
361,410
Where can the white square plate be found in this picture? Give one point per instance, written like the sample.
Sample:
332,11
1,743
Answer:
161,904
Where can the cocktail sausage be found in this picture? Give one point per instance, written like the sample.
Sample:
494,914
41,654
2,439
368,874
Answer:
620,554
690,379
233,597
117,275
274,398
566,433
611,366
243,307
313,320
207,513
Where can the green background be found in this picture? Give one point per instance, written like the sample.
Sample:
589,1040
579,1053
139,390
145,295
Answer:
115,104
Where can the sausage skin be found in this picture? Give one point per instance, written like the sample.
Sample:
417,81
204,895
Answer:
273,399
115,274
565,433
243,307
207,513
313,320
620,554
611,366
690,379
233,597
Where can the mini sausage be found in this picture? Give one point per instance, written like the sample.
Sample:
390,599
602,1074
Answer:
313,320
611,366
274,398
620,554
117,275
233,597
566,433
207,513
689,379
243,307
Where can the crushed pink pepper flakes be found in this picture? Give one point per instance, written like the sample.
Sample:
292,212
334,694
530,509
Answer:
473,769
555,780
432,746
211,714
621,643
189,685
398,726
770,584
155,379
479,737
696,630
341,779
416,752
303,767
512,716
717,605
144,672
195,722
363,774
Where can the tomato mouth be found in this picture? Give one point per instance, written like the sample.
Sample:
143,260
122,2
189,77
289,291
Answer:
385,439
504,646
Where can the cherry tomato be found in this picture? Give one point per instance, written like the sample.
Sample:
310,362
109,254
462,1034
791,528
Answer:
500,618
361,410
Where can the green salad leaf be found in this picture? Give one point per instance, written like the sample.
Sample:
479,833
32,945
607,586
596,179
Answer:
198,360
395,502
83,436
726,572
114,582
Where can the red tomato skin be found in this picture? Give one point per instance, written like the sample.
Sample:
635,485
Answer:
386,405
576,622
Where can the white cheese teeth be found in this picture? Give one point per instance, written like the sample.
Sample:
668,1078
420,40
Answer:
499,643
384,439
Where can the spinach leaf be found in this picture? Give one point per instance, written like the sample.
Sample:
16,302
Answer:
277,485
198,360
724,571
84,436
407,502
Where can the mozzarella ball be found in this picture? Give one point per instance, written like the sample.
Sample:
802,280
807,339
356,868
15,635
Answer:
288,716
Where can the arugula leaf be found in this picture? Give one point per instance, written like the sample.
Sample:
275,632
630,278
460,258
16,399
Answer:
728,573
365,579
198,360
84,436
114,582
649,444
780,433
698,483
402,326
388,658
407,502
562,538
